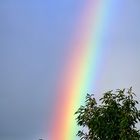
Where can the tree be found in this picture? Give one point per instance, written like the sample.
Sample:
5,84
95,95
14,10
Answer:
115,118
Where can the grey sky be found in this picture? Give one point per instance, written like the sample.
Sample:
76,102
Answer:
34,40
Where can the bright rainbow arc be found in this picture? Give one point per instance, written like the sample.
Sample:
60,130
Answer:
80,73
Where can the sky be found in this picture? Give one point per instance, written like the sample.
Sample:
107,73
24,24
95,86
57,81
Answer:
35,38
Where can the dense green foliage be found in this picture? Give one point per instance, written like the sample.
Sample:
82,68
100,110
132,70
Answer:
114,119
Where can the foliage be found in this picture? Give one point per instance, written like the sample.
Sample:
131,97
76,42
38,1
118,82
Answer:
114,119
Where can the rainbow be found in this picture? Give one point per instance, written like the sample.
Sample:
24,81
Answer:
80,72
